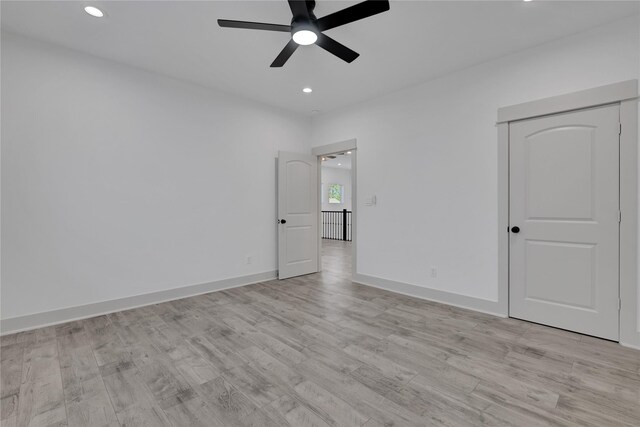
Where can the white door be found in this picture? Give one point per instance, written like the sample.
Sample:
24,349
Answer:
564,199
297,214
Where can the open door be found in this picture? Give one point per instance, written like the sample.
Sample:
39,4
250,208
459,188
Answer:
297,214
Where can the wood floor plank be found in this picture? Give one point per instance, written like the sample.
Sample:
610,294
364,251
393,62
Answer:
334,357
40,360
576,409
133,403
105,342
142,415
9,410
216,352
358,395
77,364
388,367
255,386
296,414
41,401
276,371
161,377
86,397
228,403
193,412
334,410
194,368
92,407
264,341
11,369
372,422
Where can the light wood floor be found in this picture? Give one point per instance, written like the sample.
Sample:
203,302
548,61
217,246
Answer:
314,351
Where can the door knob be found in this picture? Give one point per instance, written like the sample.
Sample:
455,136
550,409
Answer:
282,221
515,229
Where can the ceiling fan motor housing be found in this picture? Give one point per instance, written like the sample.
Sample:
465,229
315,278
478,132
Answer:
301,22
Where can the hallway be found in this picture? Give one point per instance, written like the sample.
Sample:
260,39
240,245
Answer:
336,257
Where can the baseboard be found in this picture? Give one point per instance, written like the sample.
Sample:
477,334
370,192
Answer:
63,315
632,341
635,347
457,300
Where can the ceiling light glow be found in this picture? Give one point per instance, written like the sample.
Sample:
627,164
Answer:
94,11
305,37
348,152
307,90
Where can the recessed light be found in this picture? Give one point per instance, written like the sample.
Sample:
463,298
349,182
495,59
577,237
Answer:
348,152
307,90
94,11
339,164
527,1
305,37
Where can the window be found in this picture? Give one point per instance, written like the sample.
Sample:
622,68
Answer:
336,193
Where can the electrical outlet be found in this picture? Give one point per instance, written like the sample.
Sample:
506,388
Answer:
434,272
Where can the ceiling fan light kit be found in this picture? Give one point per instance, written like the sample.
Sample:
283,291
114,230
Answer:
306,29
305,37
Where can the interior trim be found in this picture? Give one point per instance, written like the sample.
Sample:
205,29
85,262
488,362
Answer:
626,95
436,295
68,314
629,287
336,147
600,95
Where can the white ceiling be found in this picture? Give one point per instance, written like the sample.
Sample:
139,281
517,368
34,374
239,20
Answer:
340,162
414,42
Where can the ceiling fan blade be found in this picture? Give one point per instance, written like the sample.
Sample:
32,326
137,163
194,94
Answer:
285,54
338,49
299,8
254,25
353,13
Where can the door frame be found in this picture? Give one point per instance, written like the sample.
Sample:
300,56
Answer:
624,94
340,147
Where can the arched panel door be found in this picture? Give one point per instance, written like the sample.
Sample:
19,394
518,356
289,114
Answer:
297,214
564,220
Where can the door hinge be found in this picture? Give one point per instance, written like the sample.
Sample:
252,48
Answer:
619,128
619,217
619,304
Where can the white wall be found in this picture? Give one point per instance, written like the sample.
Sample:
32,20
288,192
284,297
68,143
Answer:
432,149
336,176
119,182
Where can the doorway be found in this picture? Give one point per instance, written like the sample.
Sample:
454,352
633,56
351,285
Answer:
335,254
336,214
299,212
567,198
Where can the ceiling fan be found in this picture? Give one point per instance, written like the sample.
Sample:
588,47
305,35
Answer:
306,29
